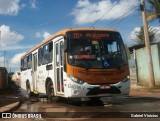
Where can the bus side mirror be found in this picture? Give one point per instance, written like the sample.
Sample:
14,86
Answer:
128,52
65,47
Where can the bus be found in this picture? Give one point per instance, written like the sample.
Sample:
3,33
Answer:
80,63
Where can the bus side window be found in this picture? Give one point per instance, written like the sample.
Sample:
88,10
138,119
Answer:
25,64
50,47
40,55
29,61
50,52
47,53
22,64
44,59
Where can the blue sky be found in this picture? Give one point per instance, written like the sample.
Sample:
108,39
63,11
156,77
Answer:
25,23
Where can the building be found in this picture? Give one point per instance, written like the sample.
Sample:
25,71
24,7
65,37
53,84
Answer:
140,67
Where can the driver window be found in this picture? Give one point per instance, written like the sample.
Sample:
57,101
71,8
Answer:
112,47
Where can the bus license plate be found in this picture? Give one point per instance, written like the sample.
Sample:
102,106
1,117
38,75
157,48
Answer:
105,87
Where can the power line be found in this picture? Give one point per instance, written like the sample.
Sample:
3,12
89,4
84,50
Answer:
105,14
122,11
122,17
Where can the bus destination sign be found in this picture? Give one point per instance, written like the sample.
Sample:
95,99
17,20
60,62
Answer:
78,35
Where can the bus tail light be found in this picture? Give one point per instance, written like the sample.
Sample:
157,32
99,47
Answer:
75,79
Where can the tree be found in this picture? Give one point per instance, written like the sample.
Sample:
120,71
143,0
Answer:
154,13
140,35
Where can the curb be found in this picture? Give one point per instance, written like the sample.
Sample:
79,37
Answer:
11,107
154,91
144,89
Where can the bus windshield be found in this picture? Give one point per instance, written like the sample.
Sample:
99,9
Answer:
96,49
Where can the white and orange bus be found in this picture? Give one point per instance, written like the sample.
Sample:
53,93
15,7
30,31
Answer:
77,62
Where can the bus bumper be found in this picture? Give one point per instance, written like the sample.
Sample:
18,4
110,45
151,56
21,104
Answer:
121,88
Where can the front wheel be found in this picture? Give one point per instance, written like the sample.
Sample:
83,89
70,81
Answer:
50,90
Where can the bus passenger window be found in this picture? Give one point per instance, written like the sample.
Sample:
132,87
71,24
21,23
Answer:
50,46
25,63
40,55
22,64
50,52
47,53
29,61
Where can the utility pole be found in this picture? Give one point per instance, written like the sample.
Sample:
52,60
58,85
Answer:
4,58
147,44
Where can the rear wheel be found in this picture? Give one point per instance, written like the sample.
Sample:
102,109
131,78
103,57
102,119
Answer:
50,90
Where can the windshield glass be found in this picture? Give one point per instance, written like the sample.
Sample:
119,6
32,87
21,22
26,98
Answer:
100,49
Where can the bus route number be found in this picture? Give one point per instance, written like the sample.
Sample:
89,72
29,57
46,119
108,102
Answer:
77,35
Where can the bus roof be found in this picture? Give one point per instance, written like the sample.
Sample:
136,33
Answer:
63,32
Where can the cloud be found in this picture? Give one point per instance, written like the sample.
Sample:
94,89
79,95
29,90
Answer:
157,32
86,11
1,61
17,47
45,35
9,7
15,61
132,35
33,3
23,5
37,35
8,37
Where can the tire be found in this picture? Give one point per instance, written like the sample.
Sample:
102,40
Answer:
50,90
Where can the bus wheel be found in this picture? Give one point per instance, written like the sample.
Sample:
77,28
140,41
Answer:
50,90
28,90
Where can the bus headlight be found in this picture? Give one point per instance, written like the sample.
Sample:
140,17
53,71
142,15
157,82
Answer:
75,79
126,79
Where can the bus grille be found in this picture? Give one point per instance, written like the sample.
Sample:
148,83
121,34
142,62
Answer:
97,90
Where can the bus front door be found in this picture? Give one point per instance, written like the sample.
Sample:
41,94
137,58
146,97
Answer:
59,66
34,72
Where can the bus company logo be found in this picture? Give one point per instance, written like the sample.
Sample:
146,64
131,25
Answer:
76,87
6,115
21,115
